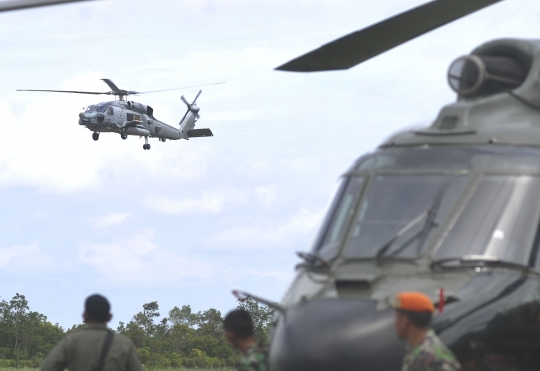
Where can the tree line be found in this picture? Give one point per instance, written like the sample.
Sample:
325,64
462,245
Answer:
182,339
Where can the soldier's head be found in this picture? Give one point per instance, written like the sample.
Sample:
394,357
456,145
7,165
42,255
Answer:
97,309
414,312
239,327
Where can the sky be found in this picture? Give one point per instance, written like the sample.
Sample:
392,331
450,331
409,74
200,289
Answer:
188,221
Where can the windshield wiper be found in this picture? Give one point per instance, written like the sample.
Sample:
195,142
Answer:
477,261
312,258
428,215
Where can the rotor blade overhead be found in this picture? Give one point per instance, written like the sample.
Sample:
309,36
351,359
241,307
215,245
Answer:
65,91
185,87
111,85
24,4
362,45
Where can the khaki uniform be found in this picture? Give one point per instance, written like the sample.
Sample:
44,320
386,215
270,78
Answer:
254,360
430,355
80,351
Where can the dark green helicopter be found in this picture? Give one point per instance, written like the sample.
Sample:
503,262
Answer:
451,210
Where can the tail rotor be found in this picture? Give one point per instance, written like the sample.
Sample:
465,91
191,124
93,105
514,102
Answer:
192,107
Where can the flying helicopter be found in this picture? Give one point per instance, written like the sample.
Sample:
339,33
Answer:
451,210
132,118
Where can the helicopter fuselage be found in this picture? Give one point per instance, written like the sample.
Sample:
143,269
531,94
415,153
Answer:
451,210
131,118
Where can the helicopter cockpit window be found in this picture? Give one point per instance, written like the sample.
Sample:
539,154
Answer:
397,202
101,109
110,111
500,221
90,109
339,216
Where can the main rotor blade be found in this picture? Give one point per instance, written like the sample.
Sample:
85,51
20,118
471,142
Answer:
362,45
111,85
185,87
24,4
65,91
197,97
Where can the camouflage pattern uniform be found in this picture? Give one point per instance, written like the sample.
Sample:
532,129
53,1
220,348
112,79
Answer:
430,355
254,359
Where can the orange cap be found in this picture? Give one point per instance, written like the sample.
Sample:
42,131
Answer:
413,301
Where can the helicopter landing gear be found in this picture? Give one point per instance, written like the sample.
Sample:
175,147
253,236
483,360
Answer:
123,136
146,145
95,136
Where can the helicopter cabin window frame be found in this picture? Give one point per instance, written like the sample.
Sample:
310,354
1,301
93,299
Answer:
475,164
339,216
500,220
372,227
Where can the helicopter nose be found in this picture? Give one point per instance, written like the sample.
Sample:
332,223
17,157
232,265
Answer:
82,115
336,334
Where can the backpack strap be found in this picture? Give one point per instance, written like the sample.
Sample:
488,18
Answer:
104,350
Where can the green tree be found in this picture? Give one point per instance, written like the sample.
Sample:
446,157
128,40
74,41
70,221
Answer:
262,316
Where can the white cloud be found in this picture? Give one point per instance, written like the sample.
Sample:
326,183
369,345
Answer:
7,254
236,274
262,235
138,260
267,195
210,202
110,220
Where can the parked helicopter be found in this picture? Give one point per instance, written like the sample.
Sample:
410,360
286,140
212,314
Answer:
452,210
132,118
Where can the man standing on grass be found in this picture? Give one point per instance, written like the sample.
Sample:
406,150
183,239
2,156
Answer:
95,348
240,334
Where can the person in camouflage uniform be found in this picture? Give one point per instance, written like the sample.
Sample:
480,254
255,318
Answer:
240,334
414,311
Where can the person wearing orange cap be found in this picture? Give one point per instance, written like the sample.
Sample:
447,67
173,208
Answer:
427,352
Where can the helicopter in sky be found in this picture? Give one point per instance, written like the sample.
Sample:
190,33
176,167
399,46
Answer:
132,118
451,210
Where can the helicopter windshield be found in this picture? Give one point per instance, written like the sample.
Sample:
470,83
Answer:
484,201
101,109
90,109
391,203
500,220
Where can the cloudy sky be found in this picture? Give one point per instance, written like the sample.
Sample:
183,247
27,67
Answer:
187,221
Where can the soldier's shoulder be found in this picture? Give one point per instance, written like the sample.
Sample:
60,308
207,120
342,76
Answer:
254,360
432,355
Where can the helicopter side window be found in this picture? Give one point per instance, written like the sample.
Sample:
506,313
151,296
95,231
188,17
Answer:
500,221
110,111
101,109
339,216
394,203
